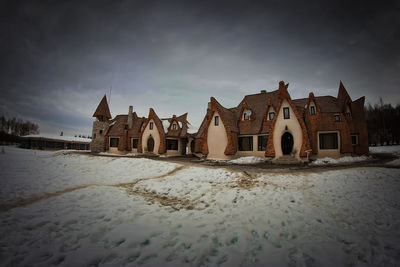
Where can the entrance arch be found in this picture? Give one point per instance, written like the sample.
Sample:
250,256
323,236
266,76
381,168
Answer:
150,144
287,143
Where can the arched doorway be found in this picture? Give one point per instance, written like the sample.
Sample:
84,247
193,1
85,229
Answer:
287,143
150,144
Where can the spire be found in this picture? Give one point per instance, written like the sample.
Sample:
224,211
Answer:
342,93
103,111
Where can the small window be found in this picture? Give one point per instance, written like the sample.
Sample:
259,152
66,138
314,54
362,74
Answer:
262,142
271,116
354,139
174,126
135,142
216,120
246,143
60,145
286,114
312,110
151,125
246,116
172,144
336,117
328,141
101,132
114,142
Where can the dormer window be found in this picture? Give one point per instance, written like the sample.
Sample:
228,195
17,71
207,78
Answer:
246,115
271,116
312,110
336,117
174,126
151,125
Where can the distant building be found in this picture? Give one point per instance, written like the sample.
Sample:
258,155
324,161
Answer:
128,133
274,126
54,142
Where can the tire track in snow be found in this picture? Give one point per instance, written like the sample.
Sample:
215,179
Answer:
22,202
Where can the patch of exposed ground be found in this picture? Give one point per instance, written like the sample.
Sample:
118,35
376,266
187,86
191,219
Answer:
22,202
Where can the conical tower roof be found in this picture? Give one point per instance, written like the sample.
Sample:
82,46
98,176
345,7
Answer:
102,109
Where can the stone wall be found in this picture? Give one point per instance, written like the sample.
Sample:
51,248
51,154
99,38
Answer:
99,131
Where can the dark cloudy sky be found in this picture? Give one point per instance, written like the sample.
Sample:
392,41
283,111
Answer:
58,58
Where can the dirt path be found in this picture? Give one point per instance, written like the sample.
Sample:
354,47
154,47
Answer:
22,202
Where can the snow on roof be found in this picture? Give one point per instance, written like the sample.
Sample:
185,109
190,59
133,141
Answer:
165,124
58,137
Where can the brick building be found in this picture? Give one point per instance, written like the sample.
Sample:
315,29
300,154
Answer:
128,133
274,126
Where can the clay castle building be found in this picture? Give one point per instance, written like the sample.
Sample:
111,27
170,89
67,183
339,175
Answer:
267,124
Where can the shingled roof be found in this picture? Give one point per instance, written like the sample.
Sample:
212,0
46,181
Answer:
103,109
258,104
182,126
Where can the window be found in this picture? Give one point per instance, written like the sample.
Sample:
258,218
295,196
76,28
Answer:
50,144
82,147
336,117
101,131
60,145
135,142
69,146
114,142
216,120
151,125
174,126
354,139
246,116
246,143
328,141
262,142
286,114
271,116
87,147
312,110
172,144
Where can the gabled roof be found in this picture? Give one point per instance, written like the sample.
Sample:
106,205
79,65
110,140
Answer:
118,125
258,104
103,109
182,126
228,116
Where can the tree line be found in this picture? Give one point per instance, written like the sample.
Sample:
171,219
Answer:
18,127
383,122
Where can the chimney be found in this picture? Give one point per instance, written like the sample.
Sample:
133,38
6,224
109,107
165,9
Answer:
209,105
130,117
264,91
62,133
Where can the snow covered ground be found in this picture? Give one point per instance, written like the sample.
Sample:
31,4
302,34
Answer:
342,160
247,160
385,149
167,214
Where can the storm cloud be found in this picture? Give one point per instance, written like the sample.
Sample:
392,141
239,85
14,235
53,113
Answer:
58,58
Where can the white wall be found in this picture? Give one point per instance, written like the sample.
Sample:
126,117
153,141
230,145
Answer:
155,134
294,128
217,139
